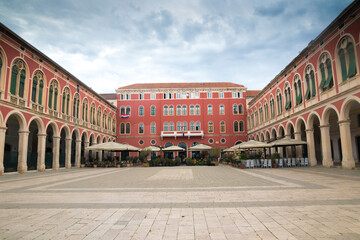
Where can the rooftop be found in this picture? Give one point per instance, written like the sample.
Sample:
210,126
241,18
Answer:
181,85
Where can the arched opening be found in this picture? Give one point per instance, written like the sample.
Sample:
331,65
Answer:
11,144
262,137
62,154
281,150
33,143
331,133
169,155
267,136
82,149
291,150
91,152
195,154
49,147
73,148
314,124
183,154
301,128
99,153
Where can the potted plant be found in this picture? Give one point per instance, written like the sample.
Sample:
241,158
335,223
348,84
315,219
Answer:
106,164
243,157
95,164
82,162
273,157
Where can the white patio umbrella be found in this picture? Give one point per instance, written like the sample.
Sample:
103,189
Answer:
229,150
151,149
287,142
200,147
253,144
108,146
173,149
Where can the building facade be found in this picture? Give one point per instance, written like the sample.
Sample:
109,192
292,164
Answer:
47,115
182,114
316,98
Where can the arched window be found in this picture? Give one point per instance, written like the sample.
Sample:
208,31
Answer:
279,102
198,128
235,109
76,106
166,126
256,118
166,110
210,112
122,128
210,127
122,110
92,114
261,116
185,126
241,126
327,81
109,122
310,82
178,126
114,125
104,122
266,111
178,110
241,111
141,111
272,107
287,96
171,126
153,110
65,101
236,126
141,128
98,117
37,87
127,128
85,110
184,110
1,67
153,128
192,126
222,126
346,52
192,112
53,95
222,109
171,110
252,121
197,109
127,110
18,75
297,89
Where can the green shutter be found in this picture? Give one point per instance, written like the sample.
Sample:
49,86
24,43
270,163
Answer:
307,94
83,114
50,95
330,77
322,70
55,99
74,107
14,74
300,91
343,64
313,84
41,86
352,62
34,86
67,104
22,83
86,114
63,103
289,95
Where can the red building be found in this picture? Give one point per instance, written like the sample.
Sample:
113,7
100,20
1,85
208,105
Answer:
182,114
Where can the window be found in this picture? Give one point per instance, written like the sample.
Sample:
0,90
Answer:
171,110
166,110
66,101
153,142
109,122
153,128
237,94
128,96
104,122
171,128
192,110
192,126
85,110
141,96
236,126
211,141
234,94
310,82
346,52
210,109
178,126
98,120
209,95
210,127
53,94
192,95
166,126
241,111
287,97
141,128
266,111
92,114
197,110
197,126
261,116
197,95
184,110
256,117
297,89
113,125
122,110
223,140
128,110
241,126
76,106
222,126
178,95
272,107
184,95
235,109
153,111
178,110
127,128
222,109
122,96
327,81
38,86
185,126
279,102
221,94
153,96
165,96
18,78
141,111
171,95
141,142
122,128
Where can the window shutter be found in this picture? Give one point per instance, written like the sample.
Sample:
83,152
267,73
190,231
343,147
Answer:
343,64
313,92
352,62
322,70
14,75
330,77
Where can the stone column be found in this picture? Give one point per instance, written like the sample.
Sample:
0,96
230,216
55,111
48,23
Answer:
100,155
2,149
288,148
68,153
326,146
272,150
41,152
78,153
311,147
280,151
86,152
22,151
299,149
348,160
56,152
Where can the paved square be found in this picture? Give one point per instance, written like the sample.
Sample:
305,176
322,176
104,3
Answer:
181,203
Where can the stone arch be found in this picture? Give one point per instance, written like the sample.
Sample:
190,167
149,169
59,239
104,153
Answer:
257,137
20,117
39,122
273,134
281,131
36,144
346,106
288,127
314,143
262,137
326,114
311,118
267,136
27,74
3,71
298,123
65,146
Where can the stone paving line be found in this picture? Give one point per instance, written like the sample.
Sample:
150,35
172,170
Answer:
298,203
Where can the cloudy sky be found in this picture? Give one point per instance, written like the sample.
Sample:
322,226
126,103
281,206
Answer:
113,43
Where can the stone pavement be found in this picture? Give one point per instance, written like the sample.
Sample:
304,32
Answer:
181,203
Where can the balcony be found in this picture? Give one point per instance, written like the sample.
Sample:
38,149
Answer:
182,134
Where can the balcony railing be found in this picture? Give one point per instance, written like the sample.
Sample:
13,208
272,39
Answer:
187,134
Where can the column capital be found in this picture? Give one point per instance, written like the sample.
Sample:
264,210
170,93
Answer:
309,130
42,135
56,137
3,128
78,141
295,133
68,139
324,126
23,131
348,121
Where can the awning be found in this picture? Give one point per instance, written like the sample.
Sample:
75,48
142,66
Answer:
252,144
151,149
113,146
200,147
229,150
173,149
287,142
